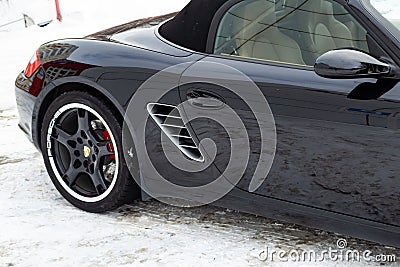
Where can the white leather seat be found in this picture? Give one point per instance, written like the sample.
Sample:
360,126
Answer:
257,38
316,29
329,33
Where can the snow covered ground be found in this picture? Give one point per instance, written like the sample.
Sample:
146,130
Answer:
39,228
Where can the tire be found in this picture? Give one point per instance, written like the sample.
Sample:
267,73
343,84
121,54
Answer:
81,142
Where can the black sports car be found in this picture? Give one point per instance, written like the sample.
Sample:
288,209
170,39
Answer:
287,109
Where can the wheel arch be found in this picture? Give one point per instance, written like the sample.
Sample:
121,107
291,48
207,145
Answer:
57,88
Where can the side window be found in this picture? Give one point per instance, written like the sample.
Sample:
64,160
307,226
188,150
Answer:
288,31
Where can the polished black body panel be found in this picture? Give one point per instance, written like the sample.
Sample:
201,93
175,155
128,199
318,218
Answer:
336,166
25,104
324,138
111,69
145,38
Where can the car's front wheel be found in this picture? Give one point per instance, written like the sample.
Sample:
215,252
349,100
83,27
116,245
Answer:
82,149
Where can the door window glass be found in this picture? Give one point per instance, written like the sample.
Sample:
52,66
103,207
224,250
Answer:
288,31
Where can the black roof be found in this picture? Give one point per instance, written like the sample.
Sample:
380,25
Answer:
189,28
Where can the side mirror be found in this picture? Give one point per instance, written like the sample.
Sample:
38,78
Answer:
350,64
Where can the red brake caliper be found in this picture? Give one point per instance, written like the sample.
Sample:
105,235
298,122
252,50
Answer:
110,145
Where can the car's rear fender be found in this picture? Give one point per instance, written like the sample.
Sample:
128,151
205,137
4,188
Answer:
54,89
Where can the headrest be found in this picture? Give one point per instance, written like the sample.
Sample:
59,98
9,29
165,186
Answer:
312,6
327,7
262,11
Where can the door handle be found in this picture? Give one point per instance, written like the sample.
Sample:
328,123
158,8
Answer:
203,99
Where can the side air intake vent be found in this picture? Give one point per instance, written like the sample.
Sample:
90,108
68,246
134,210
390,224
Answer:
170,121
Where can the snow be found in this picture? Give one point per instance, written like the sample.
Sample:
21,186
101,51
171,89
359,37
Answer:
389,8
39,228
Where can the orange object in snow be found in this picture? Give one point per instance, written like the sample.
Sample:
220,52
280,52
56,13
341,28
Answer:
59,16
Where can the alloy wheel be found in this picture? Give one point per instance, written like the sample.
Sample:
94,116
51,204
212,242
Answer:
82,152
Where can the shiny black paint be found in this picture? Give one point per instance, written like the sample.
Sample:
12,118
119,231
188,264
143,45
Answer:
111,69
352,64
330,155
25,104
338,140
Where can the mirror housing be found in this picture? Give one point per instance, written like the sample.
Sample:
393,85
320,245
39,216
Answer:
351,64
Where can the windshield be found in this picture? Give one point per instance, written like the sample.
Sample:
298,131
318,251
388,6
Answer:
389,9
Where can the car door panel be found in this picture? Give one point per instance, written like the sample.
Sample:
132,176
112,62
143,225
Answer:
333,152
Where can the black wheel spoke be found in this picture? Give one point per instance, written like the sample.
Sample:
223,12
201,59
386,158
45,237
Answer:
83,120
71,175
61,136
98,181
103,149
92,136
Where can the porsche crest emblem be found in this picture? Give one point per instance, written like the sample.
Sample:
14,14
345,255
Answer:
86,151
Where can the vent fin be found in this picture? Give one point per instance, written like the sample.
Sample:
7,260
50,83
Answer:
169,119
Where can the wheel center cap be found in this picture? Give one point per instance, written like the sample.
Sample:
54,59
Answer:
86,151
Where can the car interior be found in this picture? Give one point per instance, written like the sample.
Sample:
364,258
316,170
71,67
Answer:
288,31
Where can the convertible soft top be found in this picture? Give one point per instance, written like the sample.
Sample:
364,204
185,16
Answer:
189,28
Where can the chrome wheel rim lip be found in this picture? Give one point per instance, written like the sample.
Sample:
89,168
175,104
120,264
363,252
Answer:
55,170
